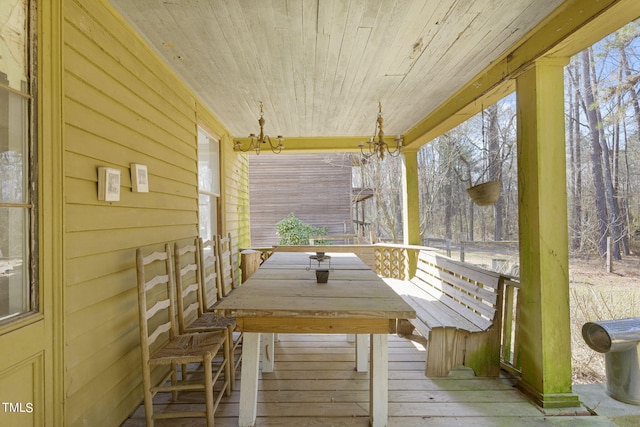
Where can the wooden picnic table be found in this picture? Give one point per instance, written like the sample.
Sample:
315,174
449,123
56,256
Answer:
283,297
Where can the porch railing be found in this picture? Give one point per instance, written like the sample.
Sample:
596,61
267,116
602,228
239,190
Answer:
399,262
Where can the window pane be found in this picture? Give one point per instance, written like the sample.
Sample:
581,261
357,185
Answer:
17,292
13,147
14,44
206,229
14,261
208,163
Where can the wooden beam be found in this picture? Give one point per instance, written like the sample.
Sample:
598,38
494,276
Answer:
574,26
313,144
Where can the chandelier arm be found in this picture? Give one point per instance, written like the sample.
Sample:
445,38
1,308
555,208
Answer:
275,149
365,155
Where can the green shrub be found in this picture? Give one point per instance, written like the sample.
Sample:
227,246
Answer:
293,231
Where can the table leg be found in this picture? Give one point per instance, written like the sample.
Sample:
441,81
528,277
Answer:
249,379
379,381
266,352
362,353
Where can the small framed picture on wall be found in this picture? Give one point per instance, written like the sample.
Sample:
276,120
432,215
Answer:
139,178
108,184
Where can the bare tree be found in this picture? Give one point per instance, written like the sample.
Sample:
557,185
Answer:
495,166
589,104
575,155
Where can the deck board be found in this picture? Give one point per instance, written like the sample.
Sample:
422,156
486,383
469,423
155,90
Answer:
314,384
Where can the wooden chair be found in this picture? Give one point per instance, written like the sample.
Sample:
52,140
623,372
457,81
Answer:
191,314
226,267
163,347
214,269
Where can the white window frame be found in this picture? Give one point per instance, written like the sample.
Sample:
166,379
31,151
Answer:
208,182
18,197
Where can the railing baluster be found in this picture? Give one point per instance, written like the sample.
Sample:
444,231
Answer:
509,354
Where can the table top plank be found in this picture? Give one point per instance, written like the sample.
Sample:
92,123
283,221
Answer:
293,292
304,274
294,306
309,288
301,260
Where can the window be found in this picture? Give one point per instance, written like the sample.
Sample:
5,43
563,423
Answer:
208,183
17,163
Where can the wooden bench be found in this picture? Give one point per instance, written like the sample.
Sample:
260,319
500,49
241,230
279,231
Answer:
459,312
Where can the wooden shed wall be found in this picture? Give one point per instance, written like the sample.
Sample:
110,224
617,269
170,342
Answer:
122,106
315,187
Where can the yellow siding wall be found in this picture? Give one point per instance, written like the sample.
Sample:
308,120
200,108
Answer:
236,196
121,105
236,200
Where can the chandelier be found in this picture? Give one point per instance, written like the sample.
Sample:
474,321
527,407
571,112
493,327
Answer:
256,142
379,147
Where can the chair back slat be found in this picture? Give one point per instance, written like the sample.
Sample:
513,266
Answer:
155,297
162,279
209,273
225,265
187,283
163,328
157,307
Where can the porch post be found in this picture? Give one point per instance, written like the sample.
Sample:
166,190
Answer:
410,198
545,338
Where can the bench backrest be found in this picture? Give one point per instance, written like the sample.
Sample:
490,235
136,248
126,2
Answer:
466,289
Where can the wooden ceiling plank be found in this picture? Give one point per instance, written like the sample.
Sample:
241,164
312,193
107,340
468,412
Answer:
309,48
335,117
328,102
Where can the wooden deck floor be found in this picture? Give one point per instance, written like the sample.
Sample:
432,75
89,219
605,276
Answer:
314,384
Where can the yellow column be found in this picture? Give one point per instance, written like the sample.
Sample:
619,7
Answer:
410,198
545,339
410,208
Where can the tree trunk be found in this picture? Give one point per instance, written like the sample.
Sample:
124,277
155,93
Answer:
596,154
576,159
630,82
448,200
471,219
612,204
618,198
495,167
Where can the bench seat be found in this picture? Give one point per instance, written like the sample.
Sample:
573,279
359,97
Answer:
458,314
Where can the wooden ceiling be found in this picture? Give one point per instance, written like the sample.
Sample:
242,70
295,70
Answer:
321,66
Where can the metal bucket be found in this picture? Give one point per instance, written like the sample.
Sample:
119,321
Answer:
619,340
